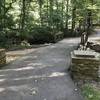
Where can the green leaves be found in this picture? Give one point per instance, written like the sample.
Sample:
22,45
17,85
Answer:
90,92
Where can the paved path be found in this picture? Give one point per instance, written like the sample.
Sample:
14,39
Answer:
41,75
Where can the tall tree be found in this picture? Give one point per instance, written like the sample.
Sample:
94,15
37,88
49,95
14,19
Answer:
51,12
67,7
40,2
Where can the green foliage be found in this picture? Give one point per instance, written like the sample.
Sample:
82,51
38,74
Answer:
91,93
38,20
41,35
69,33
3,37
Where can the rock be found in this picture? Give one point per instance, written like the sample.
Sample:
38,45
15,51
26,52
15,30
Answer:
94,46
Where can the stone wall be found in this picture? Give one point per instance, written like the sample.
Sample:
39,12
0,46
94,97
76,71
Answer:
85,68
2,57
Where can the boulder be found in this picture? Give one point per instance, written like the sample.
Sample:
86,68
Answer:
94,46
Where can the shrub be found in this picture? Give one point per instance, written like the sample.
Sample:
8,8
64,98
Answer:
40,35
90,92
69,33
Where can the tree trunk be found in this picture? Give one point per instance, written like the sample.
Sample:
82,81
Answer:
73,18
4,14
40,13
89,22
47,12
57,24
62,22
1,28
51,12
23,14
67,7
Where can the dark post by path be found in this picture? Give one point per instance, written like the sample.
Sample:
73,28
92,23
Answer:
84,39
85,34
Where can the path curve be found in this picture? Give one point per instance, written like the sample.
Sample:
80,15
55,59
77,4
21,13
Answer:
41,75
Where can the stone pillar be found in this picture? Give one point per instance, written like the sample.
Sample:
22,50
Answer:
85,66
2,57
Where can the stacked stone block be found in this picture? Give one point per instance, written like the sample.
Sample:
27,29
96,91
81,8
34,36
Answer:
2,57
84,68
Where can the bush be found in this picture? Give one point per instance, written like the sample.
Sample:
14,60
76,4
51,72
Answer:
36,35
69,33
8,38
40,35
90,92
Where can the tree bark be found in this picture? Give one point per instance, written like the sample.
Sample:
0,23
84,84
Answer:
67,7
23,14
73,18
51,12
62,21
57,24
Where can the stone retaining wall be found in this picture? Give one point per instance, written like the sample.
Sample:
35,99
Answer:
85,68
2,57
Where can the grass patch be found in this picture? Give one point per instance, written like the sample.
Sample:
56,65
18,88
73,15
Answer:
90,92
